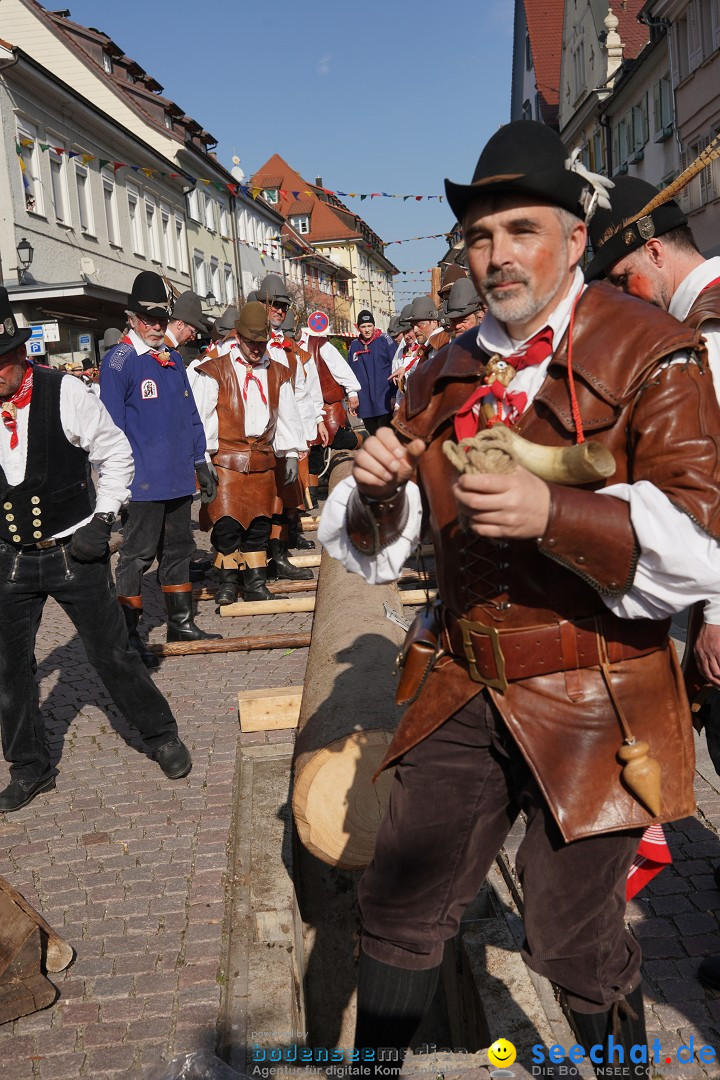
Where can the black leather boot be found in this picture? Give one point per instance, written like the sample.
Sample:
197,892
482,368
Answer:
227,590
279,567
254,584
624,1023
180,622
132,615
297,540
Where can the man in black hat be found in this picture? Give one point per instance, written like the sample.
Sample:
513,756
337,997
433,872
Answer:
370,357
145,389
555,670
54,534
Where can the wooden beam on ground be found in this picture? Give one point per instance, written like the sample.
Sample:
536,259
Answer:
290,606
416,575
417,596
305,560
59,953
269,710
273,587
231,644
309,524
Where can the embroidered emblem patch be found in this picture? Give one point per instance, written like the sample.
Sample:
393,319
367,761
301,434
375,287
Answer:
148,390
9,326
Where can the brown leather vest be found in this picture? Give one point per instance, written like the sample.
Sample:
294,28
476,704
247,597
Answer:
705,308
615,354
231,413
332,391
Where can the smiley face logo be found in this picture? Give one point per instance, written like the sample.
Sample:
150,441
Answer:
502,1053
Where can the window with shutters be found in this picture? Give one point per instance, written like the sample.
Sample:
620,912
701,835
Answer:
84,196
599,152
136,229
59,187
181,243
662,109
29,160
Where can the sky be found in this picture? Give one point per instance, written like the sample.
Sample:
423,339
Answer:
378,96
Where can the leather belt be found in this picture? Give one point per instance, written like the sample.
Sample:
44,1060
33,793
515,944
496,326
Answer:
43,545
499,657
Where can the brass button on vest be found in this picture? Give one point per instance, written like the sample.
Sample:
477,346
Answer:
35,500
13,528
16,539
9,517
37,535
7,506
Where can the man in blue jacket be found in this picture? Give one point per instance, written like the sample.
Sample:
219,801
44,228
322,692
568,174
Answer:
370,356
145,389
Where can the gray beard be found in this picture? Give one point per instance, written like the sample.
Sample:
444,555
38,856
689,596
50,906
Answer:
522,308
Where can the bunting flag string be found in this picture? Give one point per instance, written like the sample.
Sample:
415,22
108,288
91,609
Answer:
431,236
247,190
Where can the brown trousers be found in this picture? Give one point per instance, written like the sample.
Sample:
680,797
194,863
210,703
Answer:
453,801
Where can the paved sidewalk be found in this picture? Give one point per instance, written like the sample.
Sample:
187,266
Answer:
129,867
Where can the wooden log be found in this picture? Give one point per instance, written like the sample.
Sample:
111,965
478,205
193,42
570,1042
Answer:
347,714
59,953
309,524
24,935
248,643
305,560
268,607
273,587
269,710
416,575
417,596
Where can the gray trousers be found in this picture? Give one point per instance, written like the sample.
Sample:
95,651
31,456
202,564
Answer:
453,801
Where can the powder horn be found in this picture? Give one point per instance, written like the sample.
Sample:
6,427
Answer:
498,449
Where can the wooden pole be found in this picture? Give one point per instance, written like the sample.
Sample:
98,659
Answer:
231,644
309,524
305,560
347,714
417,596
268,607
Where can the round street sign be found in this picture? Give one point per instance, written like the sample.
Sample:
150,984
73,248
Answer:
318,322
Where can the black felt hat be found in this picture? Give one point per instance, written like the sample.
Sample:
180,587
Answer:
149,296
524,157
11,335
612,239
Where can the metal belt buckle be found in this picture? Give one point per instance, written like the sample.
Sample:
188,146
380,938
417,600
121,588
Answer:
467,627
42,544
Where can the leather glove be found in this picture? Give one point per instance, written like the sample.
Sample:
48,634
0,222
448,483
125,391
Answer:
207,481
291,470
90,542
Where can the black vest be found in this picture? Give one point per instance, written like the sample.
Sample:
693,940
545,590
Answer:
57,491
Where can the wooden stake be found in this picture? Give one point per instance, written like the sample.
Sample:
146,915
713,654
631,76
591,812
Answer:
305,560
269,710
268,607
231,644
273,587
417,596
309,524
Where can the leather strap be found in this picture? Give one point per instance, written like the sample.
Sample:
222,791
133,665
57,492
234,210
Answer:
498,657
374,525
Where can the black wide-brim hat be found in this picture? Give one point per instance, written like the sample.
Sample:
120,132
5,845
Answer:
149,296
11,335
612,239
524,157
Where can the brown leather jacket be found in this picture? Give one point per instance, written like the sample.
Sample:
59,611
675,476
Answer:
705,308
662,424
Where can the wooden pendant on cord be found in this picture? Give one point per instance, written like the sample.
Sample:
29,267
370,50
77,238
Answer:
641,774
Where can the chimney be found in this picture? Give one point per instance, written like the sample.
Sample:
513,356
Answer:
318,181
614,47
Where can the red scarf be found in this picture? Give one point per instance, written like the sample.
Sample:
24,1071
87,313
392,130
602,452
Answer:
21,398
376,334
537,350
250,378
162,357
711,285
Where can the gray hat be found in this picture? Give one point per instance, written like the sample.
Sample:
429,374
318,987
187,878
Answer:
463,299
226,322
405,317
451,274
111,337
188,309
423,307
394,326
272,287
289,323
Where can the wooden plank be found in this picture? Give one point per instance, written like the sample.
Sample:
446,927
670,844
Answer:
269,710
305,560
247,643
292,605
417,596
59,953
309,524
201,593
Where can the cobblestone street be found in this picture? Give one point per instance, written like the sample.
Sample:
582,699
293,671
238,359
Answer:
131,868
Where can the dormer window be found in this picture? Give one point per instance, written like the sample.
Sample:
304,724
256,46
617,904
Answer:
272,196
168,121
301,223
107,63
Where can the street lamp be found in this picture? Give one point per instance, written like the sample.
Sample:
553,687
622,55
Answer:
210,298
25,254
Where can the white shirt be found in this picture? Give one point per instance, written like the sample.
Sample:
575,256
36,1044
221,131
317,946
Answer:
337,365
289,439
678,564
683,299
308,394
86,423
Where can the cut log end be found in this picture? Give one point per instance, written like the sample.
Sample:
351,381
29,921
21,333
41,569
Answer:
337,807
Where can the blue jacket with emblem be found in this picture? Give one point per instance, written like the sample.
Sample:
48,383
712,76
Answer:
372,364
155,408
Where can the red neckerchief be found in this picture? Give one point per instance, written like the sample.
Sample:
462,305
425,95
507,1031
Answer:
21,398
250,378
537,350
376,334
162,357
710,285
